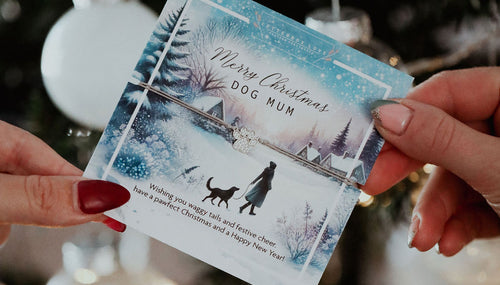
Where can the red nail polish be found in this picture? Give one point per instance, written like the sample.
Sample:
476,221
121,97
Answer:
115,225
97,196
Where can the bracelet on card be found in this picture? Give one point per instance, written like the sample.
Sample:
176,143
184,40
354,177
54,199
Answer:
244,139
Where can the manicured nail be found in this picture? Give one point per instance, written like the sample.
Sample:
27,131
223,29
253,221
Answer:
391,115
98,196
115,225
415,224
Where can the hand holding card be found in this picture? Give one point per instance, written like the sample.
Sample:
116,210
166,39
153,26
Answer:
38,187
464,144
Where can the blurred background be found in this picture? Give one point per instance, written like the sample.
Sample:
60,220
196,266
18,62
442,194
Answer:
419,37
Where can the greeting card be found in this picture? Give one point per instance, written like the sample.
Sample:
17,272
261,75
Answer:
243,136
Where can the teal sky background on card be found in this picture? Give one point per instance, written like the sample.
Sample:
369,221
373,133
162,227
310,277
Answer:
227,40
278,38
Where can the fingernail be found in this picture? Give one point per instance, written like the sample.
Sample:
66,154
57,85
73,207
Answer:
115,225
98,196
391,115
415,224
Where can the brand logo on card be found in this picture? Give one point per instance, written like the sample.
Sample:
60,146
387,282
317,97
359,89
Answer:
284,36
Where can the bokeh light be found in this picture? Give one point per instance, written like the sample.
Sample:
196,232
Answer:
85,276
10,10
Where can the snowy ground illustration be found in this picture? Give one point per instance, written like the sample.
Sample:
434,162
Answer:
298,196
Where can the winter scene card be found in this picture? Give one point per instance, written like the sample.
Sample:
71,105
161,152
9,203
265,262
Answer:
242,136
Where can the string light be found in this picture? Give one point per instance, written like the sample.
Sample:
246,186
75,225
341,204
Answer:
428,168
393,61
10,10
414,177
365,200
85,276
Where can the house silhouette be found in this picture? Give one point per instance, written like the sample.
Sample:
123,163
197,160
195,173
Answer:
211,105
342,164
310,153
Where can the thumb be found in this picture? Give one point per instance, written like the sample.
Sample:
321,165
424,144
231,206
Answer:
56,200
428,134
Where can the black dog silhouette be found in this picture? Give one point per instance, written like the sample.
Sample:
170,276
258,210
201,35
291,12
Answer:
223,195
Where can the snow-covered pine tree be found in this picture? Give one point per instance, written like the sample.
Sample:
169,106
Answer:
171,76
319,224
172,71
339,145
125,108
327,234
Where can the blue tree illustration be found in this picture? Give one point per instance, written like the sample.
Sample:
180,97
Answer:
339,145
371,150
172,73
325,243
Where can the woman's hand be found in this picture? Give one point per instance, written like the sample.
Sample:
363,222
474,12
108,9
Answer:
453,121
38,187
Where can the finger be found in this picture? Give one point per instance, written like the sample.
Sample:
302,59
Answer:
438,201
478,221
393,166
426,133
468,95
56,200
390,167
4,234
457,93
23,153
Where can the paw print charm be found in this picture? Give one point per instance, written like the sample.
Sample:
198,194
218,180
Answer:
245,140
